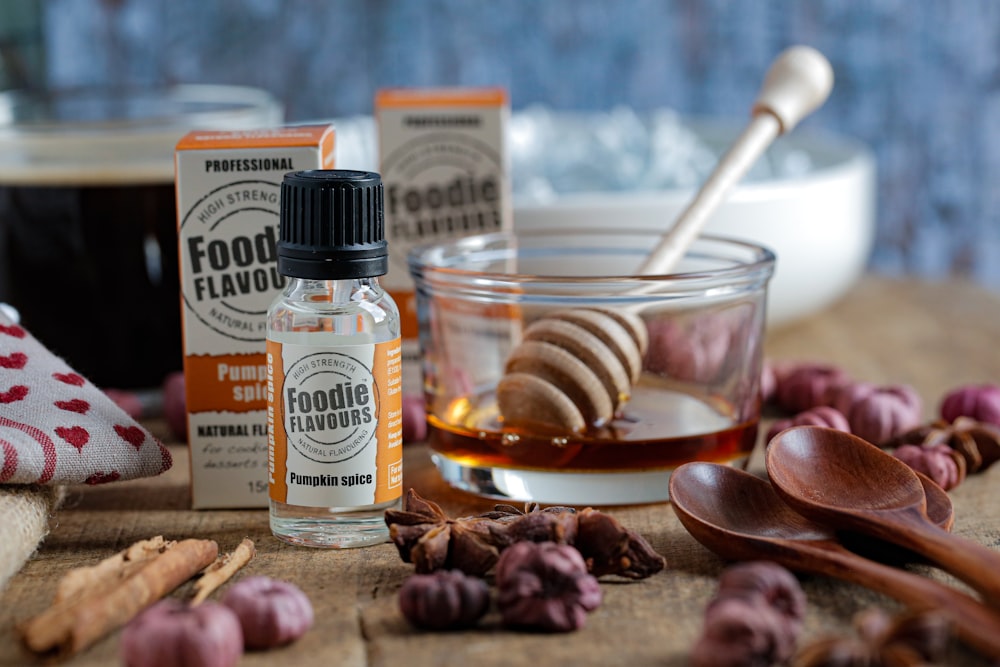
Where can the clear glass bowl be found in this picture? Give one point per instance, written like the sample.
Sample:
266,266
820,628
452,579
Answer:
697,396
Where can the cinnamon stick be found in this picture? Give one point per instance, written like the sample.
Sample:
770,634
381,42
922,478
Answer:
73,627
93,579
222,569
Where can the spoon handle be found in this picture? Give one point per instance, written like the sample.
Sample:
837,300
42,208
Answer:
973,563
974,623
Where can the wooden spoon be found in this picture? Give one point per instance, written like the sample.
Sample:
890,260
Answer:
797,83
842,481
741,517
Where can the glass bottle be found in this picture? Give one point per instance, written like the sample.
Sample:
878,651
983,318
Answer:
333,357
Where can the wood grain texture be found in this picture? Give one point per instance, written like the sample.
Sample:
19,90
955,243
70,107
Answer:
932,335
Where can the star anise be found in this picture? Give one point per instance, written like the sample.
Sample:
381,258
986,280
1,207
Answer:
428,538
610,548
914,638
977,442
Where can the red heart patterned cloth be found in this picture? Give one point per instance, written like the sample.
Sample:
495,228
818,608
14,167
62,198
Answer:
58,428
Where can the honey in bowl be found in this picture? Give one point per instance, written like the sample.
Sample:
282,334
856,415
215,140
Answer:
696,395
634,441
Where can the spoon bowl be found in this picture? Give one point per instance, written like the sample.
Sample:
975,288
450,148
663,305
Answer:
745,507
739,516
939,510
807,458
846,483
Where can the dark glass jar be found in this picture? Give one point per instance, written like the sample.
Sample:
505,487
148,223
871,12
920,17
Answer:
88,240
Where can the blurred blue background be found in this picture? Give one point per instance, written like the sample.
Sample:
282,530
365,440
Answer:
918,80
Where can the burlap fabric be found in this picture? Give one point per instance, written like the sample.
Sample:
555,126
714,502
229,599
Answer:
25,512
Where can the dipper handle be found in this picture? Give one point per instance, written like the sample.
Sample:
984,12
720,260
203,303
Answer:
797,83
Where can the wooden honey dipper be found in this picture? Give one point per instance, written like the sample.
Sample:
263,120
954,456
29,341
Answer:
573,368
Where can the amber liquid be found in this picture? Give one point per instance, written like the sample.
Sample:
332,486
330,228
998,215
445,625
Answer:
658,429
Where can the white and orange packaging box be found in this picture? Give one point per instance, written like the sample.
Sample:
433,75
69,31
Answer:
446,172
227,188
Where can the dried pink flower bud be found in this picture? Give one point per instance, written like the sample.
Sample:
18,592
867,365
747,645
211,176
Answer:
779,587
271,612
807,385
414,418
458,382
876,413
821,415
173,634
690,352
740,632
128,401
939,462
980,402
768,382
754,619
444,600
782,367
545,586
844,395
175,404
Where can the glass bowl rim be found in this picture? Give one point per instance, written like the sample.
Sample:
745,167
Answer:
763,260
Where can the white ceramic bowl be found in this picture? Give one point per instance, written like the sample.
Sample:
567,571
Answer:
821,225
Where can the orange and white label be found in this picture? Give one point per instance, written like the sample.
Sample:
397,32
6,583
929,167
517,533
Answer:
445,167
278,137
335,428
415,98
228,194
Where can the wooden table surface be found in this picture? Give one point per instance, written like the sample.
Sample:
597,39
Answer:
932,336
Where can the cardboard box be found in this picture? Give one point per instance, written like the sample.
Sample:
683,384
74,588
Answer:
446,172
228,186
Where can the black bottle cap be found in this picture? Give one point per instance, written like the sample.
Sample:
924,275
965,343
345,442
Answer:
332,225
